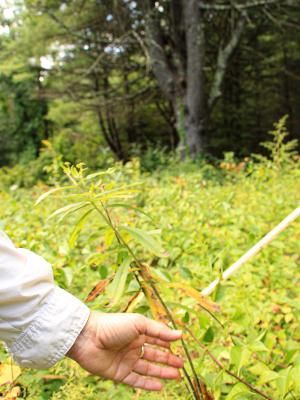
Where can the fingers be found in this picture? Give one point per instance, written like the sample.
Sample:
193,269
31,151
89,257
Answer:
157,342
145,368
141,382
157,330
139,377
163,357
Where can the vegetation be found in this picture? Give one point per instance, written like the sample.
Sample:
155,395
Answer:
188,223
131,159
128,76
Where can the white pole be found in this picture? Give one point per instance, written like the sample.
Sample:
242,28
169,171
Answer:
254,250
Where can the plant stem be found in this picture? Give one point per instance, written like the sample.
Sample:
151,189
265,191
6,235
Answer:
221,366
120,239
175,326
182,340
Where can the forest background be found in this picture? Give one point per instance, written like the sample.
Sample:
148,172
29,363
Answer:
102,79
166,109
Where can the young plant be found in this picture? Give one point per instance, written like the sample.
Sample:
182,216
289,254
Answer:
99,195
281,150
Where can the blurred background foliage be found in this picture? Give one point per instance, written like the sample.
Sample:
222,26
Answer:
104,80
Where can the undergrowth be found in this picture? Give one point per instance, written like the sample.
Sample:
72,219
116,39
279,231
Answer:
206,218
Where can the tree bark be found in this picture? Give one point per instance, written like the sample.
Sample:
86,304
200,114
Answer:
177,57
222,62
194,101
158,57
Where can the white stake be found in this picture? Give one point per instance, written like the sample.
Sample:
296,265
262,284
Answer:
254,250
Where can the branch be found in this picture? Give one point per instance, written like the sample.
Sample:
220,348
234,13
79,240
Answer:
63,25
158,57
259,3
223,56
221,366
141,42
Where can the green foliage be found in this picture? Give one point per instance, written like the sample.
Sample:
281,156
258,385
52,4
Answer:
88,93
208,217
46,168
22,123
281,151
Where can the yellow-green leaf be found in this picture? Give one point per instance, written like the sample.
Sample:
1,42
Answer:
148,241
96,174
55,190
78,227
69,208
117,287
9,372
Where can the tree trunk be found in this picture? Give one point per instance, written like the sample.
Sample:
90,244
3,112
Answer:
178,65
194,102
224,55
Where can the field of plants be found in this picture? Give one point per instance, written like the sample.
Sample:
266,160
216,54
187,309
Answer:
184,224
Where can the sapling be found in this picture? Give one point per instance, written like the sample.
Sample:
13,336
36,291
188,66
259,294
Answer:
98,195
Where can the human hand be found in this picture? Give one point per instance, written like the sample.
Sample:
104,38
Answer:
110,346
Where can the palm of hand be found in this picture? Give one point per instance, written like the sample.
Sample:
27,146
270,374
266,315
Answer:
111,345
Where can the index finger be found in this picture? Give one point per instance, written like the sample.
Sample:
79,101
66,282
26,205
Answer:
158,330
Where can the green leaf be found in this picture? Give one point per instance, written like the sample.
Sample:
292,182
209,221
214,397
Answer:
239,357
209,335
103,271
295,373
238,392
265,374
220,293
116,193
284,381
45,195
78,227
98,258
68,274
145,239
96,174
185,272
185,319
69,209
257,346
164,275
116,205
117,286
109,236
64,276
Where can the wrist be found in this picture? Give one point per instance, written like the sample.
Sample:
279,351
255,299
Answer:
82,339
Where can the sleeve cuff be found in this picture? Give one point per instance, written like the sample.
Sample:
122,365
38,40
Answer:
52,333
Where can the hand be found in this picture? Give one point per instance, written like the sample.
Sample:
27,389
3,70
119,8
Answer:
110,346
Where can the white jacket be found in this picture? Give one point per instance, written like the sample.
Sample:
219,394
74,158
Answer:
39,322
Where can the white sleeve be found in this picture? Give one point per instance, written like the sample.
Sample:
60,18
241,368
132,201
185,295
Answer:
39,322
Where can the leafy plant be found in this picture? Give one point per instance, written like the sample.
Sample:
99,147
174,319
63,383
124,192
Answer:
205,223
94,194
99,195
281,150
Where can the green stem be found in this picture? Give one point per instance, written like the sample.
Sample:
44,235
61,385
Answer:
120,239
175,326
182,340
221,366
